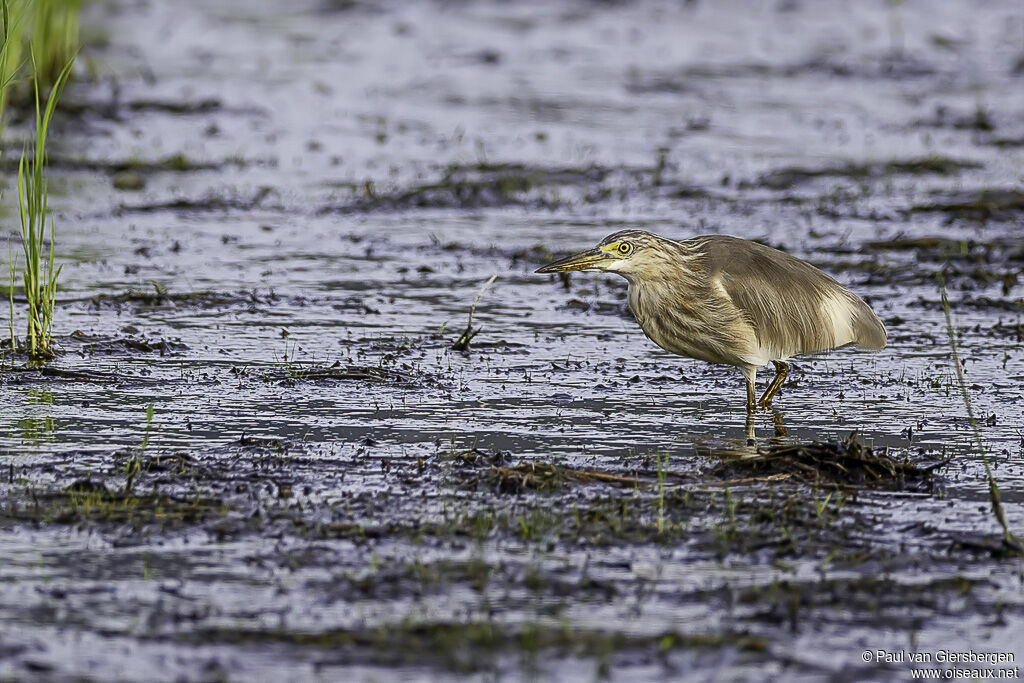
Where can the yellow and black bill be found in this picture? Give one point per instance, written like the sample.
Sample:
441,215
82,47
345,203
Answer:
592,259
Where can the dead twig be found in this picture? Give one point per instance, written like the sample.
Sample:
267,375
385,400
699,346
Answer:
467,336
782,476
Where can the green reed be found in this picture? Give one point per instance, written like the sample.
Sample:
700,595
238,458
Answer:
55,29
40,273
10,291
48,30
10,50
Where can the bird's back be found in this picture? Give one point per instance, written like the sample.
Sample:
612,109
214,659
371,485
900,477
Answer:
793,307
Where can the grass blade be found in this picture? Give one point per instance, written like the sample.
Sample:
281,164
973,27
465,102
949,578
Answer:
993,490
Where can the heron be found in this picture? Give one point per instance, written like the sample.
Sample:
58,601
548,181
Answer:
730,301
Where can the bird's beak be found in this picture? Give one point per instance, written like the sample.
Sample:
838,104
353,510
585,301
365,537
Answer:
592,259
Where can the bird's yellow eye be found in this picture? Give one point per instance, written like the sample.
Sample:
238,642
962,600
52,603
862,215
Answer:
625,248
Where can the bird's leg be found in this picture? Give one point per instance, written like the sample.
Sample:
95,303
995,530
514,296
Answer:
782,369
749,429
751,395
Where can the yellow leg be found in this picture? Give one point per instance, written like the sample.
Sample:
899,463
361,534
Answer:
751,405
782,370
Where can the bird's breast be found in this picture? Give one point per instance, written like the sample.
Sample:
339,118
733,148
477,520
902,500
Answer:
694,323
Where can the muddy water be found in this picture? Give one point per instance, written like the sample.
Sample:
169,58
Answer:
272,224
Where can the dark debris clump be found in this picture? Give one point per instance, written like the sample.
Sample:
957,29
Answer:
843,464
545,477
291,374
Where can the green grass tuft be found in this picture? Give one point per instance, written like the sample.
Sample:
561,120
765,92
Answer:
40,273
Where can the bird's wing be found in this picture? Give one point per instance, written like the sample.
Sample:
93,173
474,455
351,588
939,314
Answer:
793,307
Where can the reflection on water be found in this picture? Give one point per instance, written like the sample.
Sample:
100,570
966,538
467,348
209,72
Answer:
780,428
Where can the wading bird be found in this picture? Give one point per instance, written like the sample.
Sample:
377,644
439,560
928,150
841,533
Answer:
731,301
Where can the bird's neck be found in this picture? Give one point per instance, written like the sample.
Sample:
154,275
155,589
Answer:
675,267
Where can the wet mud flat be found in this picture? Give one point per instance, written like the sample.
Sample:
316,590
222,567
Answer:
258,457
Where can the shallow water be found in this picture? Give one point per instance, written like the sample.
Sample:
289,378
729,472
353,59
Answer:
349,176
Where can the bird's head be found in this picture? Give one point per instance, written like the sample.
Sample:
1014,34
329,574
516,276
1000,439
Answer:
626,252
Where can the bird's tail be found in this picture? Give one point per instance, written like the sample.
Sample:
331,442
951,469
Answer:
870,331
